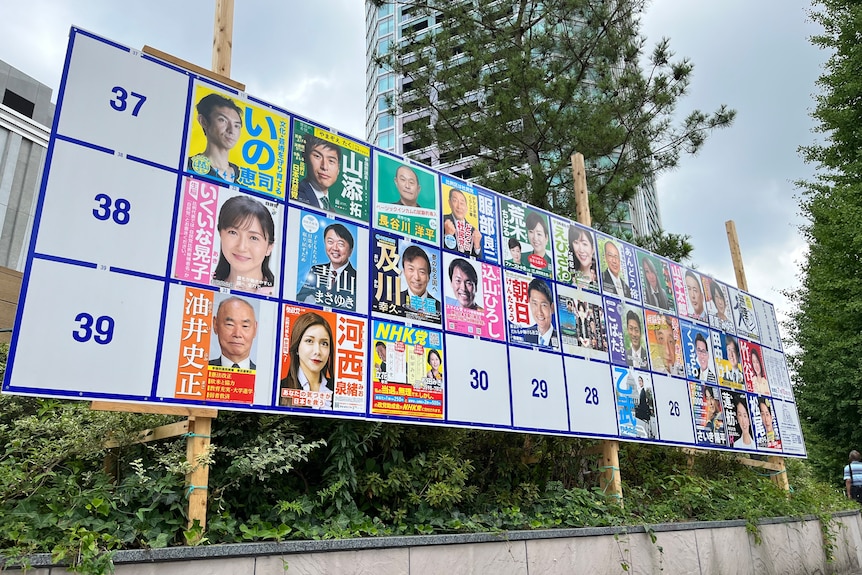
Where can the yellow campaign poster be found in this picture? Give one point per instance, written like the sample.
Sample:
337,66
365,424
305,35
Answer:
234,142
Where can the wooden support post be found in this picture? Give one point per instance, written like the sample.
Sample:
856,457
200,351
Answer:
223,37
611,480
197,482
779,469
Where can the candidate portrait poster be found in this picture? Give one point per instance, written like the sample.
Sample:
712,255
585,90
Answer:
618,268
412,383
406,279
330,172
665,343
718,305
473,297
322,360
635,403
728,360
228,239
234,142
765,423
583,328
217,359
656,282
754,368
708,413
530,311
575,254
697,352
406,199
326,268
737,419
526,234
469,220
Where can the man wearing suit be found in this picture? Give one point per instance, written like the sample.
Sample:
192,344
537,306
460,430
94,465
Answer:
417,273
322,161
611,281
636,355
541,302
701,350
332,284
236,327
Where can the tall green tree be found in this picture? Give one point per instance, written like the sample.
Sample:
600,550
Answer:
827,324
522,85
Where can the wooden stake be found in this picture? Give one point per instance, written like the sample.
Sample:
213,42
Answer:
611,481
780,470
197,481
223,37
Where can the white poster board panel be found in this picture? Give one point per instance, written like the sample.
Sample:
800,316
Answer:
673,409
121,101
106,210
538,390
591,397
82,330
477,381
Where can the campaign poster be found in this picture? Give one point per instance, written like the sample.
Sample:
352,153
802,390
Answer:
406,199
469,219
227,238
328,254
630,270
656,282
583,329
616,312
635,403
779,378
236,143
718,305
677,283
728,360
754,368
217,355
697,352
737,419
616,270
530,311
575,254
695,300
330,172
709,424
744,316
791,432
409,380
665,343
765,423
525,233
323,360
406,279
469,310
768,324
634,337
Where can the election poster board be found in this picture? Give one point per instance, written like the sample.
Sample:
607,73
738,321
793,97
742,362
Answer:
234,255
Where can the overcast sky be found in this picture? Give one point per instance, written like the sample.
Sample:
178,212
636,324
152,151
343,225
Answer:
754,56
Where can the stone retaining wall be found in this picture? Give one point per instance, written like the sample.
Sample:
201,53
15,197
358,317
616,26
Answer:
787,546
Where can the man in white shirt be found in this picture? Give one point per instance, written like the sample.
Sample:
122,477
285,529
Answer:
322,162
611,281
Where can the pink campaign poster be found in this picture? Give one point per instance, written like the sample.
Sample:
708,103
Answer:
197,224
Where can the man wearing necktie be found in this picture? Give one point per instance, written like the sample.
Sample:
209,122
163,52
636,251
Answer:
236,327
322,163
332,284
541,303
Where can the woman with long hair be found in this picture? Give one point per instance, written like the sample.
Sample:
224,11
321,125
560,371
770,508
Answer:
247,234
311,360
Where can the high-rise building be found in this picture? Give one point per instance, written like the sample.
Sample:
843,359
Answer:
389,23
26,112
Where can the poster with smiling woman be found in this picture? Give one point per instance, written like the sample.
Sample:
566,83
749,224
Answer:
226,238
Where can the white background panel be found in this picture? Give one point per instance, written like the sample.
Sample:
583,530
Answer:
670,394
594,417
48,357
96,68
262,352
69,229
466,358
535,411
